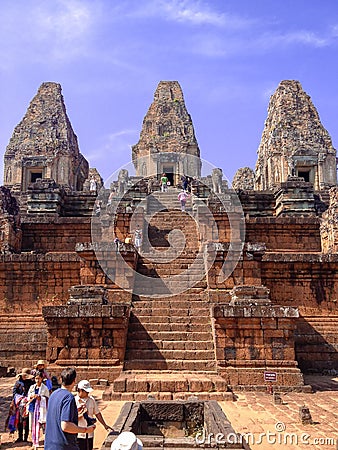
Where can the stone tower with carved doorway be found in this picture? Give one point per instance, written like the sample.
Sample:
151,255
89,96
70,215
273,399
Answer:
44,145
294,142
167,141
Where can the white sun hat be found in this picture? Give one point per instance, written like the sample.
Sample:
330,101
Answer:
127,441
85,386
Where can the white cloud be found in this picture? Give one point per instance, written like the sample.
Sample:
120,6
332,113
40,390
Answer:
70,20
191,12
62,31
115,147
43,31
216,45
334,32
66,28
272,40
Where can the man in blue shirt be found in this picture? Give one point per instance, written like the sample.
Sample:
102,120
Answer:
62,419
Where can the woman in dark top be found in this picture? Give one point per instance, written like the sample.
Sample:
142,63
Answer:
20,389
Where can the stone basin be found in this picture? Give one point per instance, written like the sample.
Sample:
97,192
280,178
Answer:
176,425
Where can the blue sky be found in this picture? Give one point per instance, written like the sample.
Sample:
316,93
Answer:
228,55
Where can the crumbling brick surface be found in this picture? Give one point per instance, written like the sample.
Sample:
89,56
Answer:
329,224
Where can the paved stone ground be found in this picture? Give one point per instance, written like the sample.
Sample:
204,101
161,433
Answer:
253,412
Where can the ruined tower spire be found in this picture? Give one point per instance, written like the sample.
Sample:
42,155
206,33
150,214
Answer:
294,141
167,128
44,145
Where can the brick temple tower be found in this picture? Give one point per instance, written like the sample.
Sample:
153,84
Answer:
167,141
294,142
44,145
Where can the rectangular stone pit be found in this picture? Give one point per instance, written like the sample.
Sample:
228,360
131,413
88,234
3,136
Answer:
176,425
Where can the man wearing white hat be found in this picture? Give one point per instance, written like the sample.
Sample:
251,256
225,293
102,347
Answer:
87,409
127,441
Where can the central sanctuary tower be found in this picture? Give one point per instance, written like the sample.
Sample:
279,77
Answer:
167,141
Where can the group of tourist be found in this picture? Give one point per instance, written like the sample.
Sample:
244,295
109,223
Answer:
67,420
29,404
186,188
185,182
132,238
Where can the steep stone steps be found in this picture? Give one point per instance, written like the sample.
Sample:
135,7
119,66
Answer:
177,313
170,334
184,329
170,364
179,275
167,270
147,289
174,354
175,213
186,254
172,257
176,345
158,325
177,218
138,385
316,343
175,302
160,272
164,319
153,268
169,199
18,335
163,224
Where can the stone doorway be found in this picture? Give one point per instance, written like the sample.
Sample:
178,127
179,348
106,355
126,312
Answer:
169,171
304,174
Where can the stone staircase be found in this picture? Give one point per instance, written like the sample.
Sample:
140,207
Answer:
170,351
158,201
171,334
170,348
168,226
163,278
316,343
18,335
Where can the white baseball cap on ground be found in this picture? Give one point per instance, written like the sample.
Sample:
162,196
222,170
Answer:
127,441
